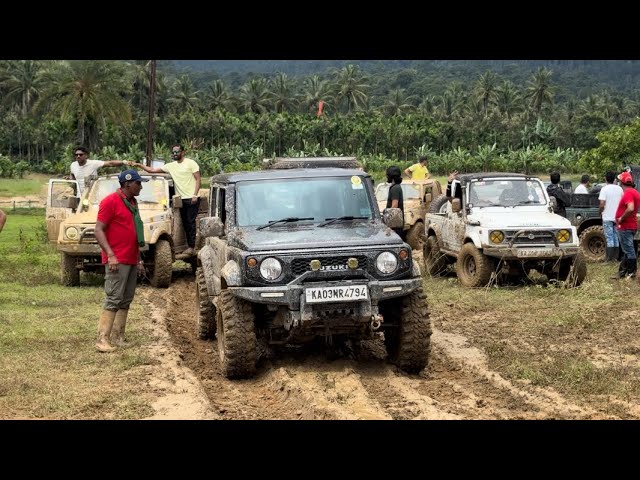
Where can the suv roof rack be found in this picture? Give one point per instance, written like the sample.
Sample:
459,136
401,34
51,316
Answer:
279,163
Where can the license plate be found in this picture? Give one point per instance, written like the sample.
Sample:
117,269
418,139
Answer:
352,293
530,253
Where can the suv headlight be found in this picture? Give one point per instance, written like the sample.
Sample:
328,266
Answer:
71,233
270,268
386,262
563,236
496,236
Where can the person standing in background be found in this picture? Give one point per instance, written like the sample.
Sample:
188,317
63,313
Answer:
627,225
582,188
609,197
395,196
418,171
186,178
83,167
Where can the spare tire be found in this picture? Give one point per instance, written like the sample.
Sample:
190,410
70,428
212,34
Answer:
438,204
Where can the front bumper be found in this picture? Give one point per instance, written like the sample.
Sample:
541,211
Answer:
536,252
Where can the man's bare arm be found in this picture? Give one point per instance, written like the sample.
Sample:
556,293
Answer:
601,208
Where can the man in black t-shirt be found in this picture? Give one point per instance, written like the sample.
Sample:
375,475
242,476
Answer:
395,199
563,199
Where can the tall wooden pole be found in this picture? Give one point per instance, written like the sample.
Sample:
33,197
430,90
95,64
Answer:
152,111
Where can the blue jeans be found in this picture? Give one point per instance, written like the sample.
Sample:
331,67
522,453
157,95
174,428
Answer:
626,243
610,233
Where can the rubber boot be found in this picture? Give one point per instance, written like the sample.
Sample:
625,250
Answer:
119,324
105,324
632,268
612,254
622,270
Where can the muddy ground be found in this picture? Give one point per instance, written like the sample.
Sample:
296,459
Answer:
330,382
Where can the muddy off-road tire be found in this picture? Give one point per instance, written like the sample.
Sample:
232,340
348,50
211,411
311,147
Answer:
438,205
70,275
435,262
573,271
206,321
407,333
473,267
415,235
162,265
236,336
593,243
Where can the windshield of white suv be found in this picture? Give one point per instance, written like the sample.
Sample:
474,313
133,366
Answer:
409,191
320,199
506,193
152,192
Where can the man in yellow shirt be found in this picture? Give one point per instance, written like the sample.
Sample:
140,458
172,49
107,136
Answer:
418,171
186,178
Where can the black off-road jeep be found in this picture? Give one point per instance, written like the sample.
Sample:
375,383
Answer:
295,254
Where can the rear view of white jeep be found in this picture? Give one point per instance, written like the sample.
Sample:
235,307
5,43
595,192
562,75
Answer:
500,226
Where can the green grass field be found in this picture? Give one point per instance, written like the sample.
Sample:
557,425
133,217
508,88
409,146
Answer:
49,366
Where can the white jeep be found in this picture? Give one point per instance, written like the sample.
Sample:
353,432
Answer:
501,226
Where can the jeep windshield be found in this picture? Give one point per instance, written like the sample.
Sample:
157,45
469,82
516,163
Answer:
409,191
309,200
153,192
506,193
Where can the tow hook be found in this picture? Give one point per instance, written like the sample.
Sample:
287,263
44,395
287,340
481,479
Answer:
376,321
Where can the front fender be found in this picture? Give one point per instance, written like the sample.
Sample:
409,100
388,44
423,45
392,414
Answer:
231,274
474,236
207,261
157,233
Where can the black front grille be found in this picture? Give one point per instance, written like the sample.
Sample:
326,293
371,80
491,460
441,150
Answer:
302,265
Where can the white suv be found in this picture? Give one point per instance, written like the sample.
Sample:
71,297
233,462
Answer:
501,225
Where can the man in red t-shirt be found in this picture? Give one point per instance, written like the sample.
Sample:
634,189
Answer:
120,234
627,225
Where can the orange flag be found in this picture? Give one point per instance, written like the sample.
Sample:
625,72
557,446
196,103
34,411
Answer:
320,105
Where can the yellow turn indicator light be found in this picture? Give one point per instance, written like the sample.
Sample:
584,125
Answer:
563,236
496,236
403,254
252,262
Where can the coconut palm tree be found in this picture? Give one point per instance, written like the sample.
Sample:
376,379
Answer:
87,92
21,82
184,97
486,90
281,93
217,96
398,102
254,96
351,86
540,91
508,99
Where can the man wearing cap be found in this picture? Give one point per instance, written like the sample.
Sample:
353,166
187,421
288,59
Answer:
120,234
627,225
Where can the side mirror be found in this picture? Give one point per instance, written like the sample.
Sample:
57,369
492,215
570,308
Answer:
553,204
176,201
211,227
427,198
456,205
393,218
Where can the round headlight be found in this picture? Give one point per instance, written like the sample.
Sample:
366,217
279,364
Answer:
270,268
71,233
563,236
496,236
386,262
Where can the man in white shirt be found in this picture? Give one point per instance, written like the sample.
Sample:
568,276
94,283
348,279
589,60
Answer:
582,188
83,167
610,196
186,178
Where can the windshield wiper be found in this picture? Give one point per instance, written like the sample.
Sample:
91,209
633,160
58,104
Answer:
284,220
526,202
346,217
